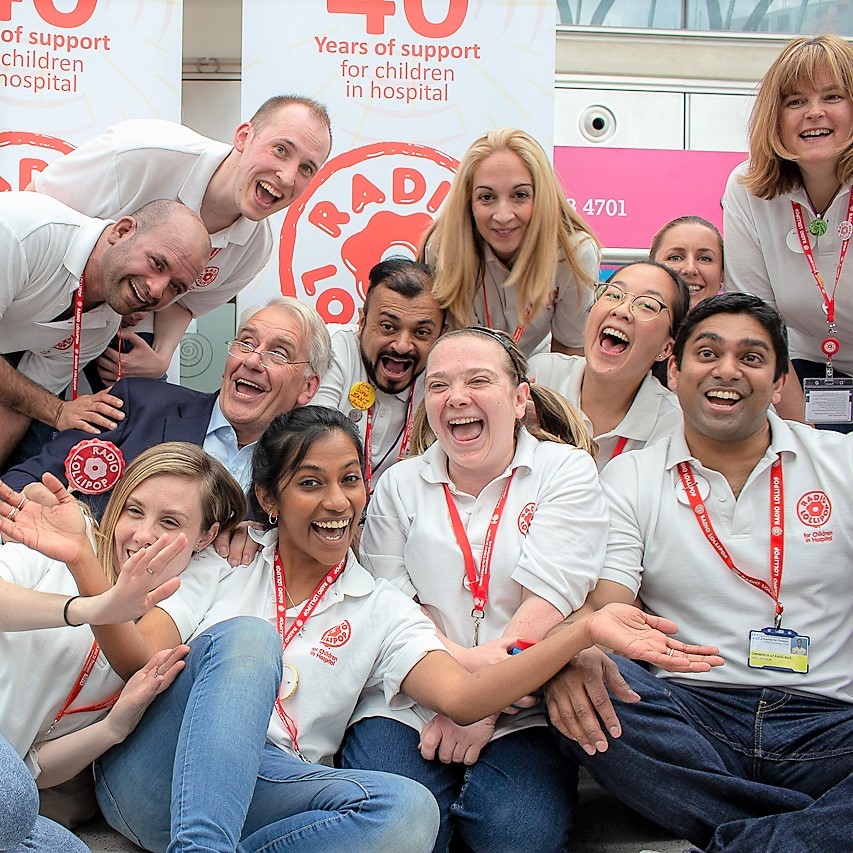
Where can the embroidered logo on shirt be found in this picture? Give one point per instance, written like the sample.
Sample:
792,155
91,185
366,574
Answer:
814,509
525,517
63,344
207,277
337,635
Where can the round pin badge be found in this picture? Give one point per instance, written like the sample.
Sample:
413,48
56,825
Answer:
93,466
830,346
355,415
362,395
845,230
289,682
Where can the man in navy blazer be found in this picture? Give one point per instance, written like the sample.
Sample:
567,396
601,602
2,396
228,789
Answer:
275,364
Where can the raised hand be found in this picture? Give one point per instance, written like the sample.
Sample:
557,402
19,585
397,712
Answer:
631,632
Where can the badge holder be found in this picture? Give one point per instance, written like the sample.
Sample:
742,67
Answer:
779,649
829,401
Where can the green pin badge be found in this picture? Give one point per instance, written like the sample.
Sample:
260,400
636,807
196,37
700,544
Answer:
817,227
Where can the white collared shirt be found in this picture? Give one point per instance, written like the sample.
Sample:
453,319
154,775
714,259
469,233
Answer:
141,160
657,548
653,413
389,410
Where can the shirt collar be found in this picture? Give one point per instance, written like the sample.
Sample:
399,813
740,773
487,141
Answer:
218,421
355,581
434,468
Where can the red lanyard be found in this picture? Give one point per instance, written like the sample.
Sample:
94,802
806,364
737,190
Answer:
478,579
620,447
831,345
777,532
287,634
404,441
519,329
82,678
75,339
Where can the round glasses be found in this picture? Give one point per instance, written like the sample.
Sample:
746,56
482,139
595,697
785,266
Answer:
642,307
243,349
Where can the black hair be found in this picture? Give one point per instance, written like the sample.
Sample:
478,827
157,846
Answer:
738,303
402,275
286,442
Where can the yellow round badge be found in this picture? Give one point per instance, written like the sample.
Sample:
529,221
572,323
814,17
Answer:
362,395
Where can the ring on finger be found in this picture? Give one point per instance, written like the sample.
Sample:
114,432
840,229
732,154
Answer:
12,513
150,571
21,504
671,651
156,672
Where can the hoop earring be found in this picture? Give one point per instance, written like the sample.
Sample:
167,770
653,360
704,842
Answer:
273,519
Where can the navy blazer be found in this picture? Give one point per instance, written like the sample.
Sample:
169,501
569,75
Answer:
154,412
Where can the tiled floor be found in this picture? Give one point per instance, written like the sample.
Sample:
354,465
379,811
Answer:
603,825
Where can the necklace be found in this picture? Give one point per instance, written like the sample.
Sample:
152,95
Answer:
817,227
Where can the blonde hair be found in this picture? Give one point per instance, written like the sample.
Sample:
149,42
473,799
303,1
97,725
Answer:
556,419
772,169
454,249
222,500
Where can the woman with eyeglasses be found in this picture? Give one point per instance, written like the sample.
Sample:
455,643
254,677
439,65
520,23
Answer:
629,329
508,251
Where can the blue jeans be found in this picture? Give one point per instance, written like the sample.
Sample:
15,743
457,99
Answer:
199,756
21,827
734,770
520,794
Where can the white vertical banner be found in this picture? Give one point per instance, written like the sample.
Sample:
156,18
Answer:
409,85
71,68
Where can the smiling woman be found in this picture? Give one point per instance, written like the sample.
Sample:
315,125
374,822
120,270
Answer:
789,210
508,251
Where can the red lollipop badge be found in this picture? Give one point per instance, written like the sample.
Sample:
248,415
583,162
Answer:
93,466
830,347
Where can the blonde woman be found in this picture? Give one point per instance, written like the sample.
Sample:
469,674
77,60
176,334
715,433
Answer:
62,702
508,251
789,209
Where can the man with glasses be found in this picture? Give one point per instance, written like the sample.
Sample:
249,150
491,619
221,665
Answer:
629,329
274,364
376,365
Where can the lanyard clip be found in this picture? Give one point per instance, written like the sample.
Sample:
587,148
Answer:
477,615
777,622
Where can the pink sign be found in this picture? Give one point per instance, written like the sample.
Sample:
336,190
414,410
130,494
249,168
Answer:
626,194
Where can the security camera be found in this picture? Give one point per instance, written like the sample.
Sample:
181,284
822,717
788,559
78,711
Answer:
597,123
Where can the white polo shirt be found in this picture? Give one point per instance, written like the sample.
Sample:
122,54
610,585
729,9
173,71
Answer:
656,547
38,669
363,634
764,257
44,247
141,160
550,540
562,317
389,410
653,414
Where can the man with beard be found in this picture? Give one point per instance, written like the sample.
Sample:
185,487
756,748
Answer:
376,365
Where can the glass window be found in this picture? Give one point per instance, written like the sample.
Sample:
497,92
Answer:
658,14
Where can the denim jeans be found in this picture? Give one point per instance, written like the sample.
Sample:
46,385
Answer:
199,757
519,795
735,770
21,827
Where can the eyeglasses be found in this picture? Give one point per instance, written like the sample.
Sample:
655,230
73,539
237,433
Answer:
642,307
243,349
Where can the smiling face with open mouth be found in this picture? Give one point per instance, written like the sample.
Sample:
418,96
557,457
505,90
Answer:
164,503
815,124
278,160
616,340
725,383
319,507
694,251
396,334
473,405
251,394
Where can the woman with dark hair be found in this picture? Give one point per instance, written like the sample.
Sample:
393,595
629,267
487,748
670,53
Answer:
629,333
232,759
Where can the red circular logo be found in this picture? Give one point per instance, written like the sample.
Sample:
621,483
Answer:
337,635
830,346
525,517
363,205
93,466
18,166
814,509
